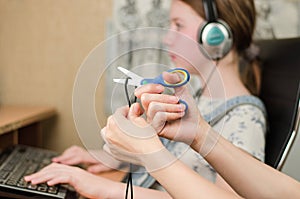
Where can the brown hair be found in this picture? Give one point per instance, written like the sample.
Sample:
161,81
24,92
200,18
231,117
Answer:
240,15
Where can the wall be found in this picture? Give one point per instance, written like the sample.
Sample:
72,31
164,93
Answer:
277,18
42,45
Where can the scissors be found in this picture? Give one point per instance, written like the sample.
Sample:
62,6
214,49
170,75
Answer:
136,80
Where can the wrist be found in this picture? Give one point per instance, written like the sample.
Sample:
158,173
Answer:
157,160
202,132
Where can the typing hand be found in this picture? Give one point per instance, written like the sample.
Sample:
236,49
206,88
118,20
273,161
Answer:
91,159
83,182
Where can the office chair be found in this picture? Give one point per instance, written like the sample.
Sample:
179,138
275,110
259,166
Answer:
280,92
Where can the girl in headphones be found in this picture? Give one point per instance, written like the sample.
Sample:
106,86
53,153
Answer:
224,58
222,31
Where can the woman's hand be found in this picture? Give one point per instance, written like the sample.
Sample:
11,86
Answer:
130,138
79,179
168,117
76,155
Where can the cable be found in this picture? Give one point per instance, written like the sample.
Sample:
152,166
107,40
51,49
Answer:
129,178
200,91
126,91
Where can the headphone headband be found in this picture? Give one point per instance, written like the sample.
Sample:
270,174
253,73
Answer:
210,10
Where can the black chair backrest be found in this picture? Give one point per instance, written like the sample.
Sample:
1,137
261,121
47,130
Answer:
279,86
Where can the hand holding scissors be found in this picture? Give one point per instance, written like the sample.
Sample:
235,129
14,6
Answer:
136,80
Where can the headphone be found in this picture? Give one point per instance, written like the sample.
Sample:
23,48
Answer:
214,36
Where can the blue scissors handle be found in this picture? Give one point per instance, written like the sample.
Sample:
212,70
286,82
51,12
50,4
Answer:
160,80
184,102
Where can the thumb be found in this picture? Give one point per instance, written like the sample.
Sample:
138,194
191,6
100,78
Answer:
171,78
174,78
135,111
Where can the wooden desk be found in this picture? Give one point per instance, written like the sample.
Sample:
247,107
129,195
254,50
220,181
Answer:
22,124
114,175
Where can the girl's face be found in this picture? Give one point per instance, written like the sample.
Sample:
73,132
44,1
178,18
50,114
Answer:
181,40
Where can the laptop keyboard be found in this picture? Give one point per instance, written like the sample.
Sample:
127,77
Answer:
19,161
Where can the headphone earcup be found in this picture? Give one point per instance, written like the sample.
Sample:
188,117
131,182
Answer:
215,39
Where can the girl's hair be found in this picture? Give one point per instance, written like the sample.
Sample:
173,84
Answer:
240,15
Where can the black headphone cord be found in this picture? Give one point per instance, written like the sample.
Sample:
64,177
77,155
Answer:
129,178
200,91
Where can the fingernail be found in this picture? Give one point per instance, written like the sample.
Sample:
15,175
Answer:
182,113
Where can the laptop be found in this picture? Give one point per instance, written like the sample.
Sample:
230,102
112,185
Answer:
21,160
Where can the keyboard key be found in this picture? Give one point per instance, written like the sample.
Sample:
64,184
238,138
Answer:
11,182
3,174
22,184
52,190
42,188
32,186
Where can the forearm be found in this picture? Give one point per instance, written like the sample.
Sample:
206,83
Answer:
182,182
249,177
178,179
102,188
118,191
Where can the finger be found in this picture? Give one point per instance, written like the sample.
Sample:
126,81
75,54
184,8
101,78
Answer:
156,107
103,134
174,78
57,180
149,88
160,119
62,158
29,177
147,98
123,111
135,111
38,177
171,116
41,175
111,123
68,160
123,125
68,154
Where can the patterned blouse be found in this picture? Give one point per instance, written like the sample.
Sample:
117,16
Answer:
244,126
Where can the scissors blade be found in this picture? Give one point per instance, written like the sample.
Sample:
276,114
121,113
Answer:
130,82
134,77
130,74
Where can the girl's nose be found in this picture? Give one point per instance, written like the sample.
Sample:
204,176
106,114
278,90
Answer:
169,38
